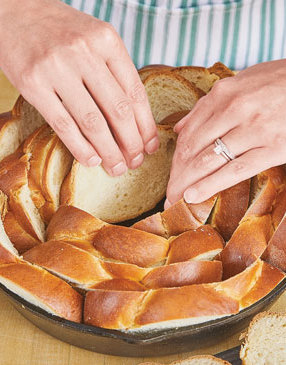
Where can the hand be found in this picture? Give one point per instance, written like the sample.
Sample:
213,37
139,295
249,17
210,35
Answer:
247,112
76,71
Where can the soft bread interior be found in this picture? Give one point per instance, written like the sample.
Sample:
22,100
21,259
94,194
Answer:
265,341
115,199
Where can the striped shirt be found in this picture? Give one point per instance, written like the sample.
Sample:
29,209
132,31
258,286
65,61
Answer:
238,33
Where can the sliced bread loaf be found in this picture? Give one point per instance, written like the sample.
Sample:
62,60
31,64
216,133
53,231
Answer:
195,360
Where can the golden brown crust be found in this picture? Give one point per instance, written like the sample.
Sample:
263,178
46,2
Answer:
152,224
178,219
275,252
193,360
45,287
221,70
20,238
246,245
191,244
230,208
279,208
131,245
13,172
185,302
270,277
119,285
183,273
71,223
114,309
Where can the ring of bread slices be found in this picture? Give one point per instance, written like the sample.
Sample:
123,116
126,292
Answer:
61,250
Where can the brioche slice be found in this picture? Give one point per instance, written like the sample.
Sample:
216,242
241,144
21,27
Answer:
73,224
8,253
275,252
195,360
20,238
203,243
179,218
169,93
30,118
86,271
42,289
246,245
265,340
115,199
200,76
25,211
16,125
174,307
10,134
230,208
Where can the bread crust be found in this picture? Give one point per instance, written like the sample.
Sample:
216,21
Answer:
45,288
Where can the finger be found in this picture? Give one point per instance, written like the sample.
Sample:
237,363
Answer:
235,171
201,112
207,162
123,69
117,110
93,125
53,111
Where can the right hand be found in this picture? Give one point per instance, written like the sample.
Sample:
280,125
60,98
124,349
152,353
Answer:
76,71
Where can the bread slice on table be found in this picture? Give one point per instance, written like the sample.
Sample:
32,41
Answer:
115,199
169,93
195,360
265,340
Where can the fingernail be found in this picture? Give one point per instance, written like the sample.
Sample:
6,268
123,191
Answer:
190,195
152,145
94,161
137,161
119,169
167,204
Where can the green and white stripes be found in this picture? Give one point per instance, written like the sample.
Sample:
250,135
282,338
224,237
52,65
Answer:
179,32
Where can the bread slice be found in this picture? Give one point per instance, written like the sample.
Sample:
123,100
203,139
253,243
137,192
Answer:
195,360
16,125
42,289
200,76
221,70
8,253
144,72
115,199
170,93
265,340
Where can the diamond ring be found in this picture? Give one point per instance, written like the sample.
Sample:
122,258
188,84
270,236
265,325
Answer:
221,149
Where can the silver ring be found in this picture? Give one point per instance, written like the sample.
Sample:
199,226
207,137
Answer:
221,149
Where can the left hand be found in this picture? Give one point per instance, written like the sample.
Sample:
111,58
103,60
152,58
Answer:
248,112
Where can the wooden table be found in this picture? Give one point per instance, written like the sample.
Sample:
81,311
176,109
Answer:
21,343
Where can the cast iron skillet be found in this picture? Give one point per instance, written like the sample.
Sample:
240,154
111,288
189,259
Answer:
155,343
152,343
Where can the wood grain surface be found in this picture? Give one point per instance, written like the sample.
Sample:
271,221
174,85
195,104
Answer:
21,343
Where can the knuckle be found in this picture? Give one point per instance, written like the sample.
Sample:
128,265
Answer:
108,33
219,87
203,160
122,109
138,93
184,152
91,122
61,125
